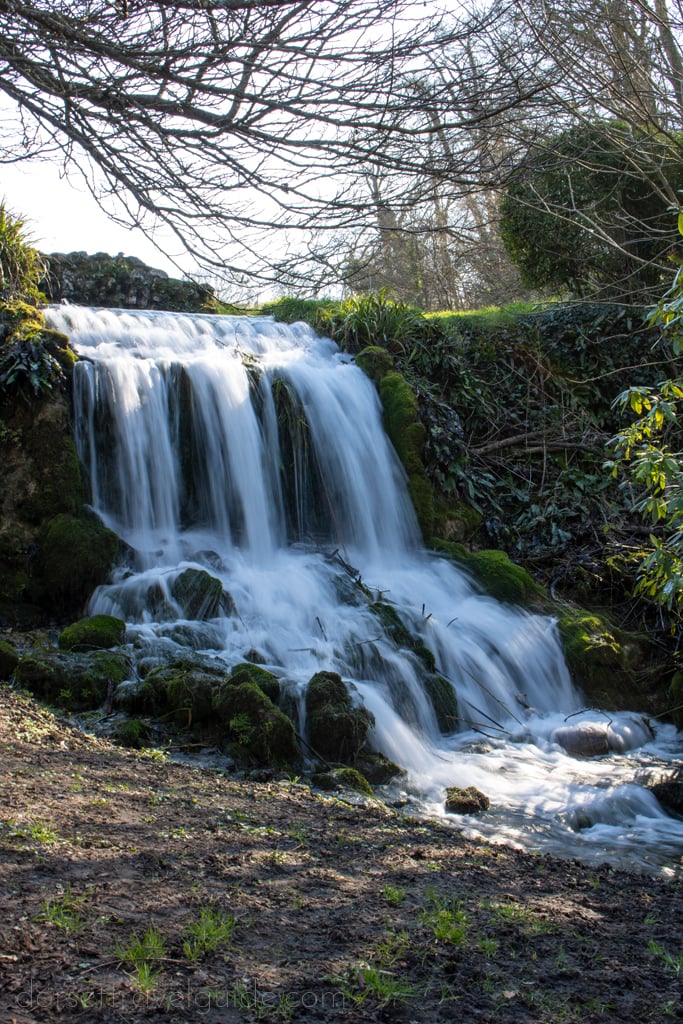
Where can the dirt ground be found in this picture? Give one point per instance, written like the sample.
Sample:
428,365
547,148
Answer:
136,889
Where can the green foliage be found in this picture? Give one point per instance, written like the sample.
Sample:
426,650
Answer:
32,358
21,267
375,319
582,214
649,452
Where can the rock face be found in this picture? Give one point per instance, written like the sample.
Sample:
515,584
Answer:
122,282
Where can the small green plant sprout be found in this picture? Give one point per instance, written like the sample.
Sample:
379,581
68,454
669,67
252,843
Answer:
38,831
142,953
446,919
487,945
674,961
65,911
212,929
393,895
368,982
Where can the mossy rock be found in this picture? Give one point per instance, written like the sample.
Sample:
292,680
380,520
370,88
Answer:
9,659
183,691
375,362
444,701
56,484
408,435
254,727
455,522
600,659
377,769
343,778
77,555
336,729
73,681
96,631
466,801
397,630
676,696
504,579
134,733
249,673
200,595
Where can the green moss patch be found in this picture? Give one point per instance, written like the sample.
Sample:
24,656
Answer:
336,729
600,659
254,727
96,631
76,556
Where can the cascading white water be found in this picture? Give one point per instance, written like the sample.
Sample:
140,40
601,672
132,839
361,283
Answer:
255,451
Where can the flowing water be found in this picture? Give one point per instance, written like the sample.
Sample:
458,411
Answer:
255,451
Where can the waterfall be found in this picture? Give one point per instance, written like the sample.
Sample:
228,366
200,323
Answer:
255,451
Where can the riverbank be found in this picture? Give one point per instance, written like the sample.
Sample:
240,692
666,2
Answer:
133,887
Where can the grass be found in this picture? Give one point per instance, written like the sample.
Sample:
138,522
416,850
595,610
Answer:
142,953
65,911
394,895
211,930
38,831
674,961
446,919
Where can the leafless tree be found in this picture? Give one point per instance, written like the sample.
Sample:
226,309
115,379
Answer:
226,119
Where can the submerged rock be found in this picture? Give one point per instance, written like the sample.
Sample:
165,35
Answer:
670,794
591,739
200,595
466,801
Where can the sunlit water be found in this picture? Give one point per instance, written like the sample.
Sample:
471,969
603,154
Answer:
255,451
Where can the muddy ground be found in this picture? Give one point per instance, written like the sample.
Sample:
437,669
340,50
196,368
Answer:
135,889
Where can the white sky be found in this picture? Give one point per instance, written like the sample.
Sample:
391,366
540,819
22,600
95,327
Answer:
62,216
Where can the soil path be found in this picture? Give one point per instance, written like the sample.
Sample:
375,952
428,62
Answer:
135,889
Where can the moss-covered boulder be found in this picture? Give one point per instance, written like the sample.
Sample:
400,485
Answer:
182,692
466,801
408,435
337,729
343,778
375,362
253,726
96,631
9,659
601,660
77,554
250,673
504,579
132,732
73,681
455,521
200,595
395,627
377,769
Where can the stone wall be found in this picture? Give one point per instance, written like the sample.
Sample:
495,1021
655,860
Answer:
120,282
